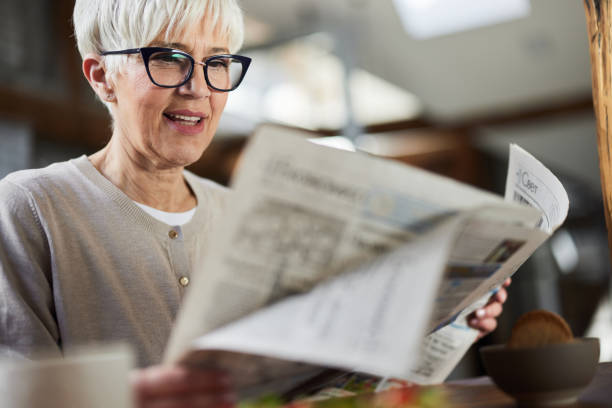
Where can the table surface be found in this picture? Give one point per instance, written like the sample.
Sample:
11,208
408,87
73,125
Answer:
482,393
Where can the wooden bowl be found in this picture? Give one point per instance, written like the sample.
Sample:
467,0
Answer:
552,375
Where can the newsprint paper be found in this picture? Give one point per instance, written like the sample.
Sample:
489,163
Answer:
528,182
329,258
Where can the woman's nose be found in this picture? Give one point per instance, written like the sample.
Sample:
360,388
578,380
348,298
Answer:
196,86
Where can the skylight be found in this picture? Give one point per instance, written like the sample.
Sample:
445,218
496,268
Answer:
431,18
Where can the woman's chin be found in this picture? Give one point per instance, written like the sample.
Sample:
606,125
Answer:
181,157
183,152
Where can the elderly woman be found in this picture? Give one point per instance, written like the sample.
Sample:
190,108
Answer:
101,248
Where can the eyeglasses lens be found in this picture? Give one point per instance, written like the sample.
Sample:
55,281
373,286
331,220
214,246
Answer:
224,73
169,68
172,69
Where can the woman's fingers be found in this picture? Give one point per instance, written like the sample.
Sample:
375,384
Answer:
485,318
178,379
170,386
488,313
500,296
484,326
189,401
493,310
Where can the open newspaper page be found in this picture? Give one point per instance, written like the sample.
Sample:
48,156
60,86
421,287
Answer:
302,213
370,319
528,182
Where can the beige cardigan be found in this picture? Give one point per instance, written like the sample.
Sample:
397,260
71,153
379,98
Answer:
81,264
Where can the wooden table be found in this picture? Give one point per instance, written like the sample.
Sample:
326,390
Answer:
482,393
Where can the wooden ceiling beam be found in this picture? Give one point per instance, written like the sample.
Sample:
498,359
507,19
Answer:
579,104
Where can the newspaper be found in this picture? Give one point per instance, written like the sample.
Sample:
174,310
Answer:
528,182
334,258
531,183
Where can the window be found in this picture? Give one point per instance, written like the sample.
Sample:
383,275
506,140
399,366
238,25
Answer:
430,18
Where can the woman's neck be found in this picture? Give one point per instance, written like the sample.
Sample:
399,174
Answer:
141,180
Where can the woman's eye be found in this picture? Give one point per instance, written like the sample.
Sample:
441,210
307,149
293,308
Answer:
218,64
169,58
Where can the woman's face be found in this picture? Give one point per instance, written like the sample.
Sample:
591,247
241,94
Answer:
145,115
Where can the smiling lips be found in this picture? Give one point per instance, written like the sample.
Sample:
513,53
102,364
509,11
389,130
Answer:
185,117
186,121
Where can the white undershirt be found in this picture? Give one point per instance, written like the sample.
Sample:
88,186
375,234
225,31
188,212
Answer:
170,218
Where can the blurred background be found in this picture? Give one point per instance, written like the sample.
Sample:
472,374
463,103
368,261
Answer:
441,84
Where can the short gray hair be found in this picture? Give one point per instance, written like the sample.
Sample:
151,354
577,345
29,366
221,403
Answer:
104,25
107,25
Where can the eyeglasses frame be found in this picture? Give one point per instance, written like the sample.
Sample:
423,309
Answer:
146,53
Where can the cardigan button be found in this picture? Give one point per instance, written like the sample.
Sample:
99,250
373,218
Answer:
173,234
184,281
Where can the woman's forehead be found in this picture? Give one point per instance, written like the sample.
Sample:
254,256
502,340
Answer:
202,37
213,48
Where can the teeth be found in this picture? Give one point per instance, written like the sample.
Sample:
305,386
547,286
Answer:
185,118
184,122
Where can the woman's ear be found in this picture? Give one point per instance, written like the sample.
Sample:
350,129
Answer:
96,74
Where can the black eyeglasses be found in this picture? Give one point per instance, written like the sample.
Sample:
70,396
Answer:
171,68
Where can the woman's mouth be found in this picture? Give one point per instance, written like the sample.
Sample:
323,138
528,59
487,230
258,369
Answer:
184,119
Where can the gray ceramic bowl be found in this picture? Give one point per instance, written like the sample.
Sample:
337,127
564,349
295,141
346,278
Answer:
545,376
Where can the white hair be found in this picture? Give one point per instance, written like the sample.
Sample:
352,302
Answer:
105,25
108,25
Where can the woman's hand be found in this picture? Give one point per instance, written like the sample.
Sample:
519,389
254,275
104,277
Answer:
485,319
179,386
